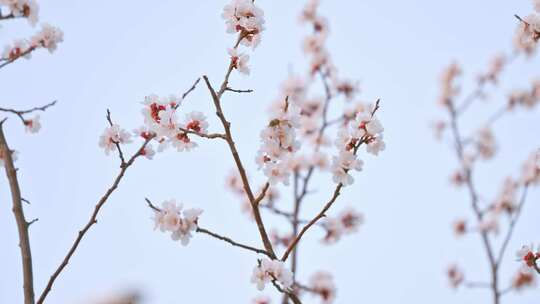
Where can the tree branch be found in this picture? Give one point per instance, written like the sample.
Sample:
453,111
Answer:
22,224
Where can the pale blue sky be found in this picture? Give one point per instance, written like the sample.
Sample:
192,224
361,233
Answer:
116,52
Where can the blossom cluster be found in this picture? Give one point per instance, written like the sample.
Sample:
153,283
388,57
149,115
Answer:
528,256
346,222
161,124
49,37
28,9
180,223
278,143
245,18
161,118
365,128
528,32
271,271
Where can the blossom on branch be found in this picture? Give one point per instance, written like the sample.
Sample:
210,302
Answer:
13,157
32,125
171,218
244,17
28,9
323,284
239,61
112,136
271,271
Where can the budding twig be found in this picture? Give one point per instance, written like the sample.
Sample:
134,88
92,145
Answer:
21,113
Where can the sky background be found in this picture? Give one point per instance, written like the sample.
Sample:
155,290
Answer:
117,52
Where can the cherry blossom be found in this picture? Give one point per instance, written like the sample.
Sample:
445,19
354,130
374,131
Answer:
536,4
460,227
323,284
113,135
528,256
449,89
49,37
245,17
270,270
455,276
170,218
506,200
523,278
196,121
28,9
278,143
528,34
261,300
239,61
486,144
148,152
341,164
32,125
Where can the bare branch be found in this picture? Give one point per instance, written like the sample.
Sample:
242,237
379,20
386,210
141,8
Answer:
512,224
193,87
204,135
238,91
247,188
21,113
232,242
22,224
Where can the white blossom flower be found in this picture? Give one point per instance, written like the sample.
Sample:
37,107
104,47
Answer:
148,152
28,9
375,145
239,61
455,276
536,4
524,277
49,37
486,144
196,121
17,49
32,125
323,284
181,224
261,300
269,270
245,17
111,136
527,255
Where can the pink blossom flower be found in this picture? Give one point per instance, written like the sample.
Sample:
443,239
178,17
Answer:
270,270
32,125
111,136
239,61
323,284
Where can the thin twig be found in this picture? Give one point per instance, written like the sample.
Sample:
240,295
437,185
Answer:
238,91
203,135
512,224
117,144
232,242
21,113
193,87
22,224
